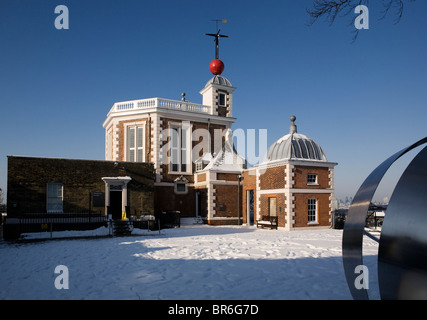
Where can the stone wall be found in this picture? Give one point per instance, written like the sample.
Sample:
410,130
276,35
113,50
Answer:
28,178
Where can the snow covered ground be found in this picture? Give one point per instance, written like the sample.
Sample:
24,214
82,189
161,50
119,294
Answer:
192,262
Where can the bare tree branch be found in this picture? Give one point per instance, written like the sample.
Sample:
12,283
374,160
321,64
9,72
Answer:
399,8
331,8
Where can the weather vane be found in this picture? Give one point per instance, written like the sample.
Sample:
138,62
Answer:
217,36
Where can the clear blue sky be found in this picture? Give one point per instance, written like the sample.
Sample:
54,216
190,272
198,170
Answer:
360,101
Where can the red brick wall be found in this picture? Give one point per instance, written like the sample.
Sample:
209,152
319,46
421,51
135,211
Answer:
273,178
212,128
166,199
224,222
301,209
300,177
226,176
225,201
164,124
280,206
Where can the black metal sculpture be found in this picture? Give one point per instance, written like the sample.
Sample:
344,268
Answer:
402,257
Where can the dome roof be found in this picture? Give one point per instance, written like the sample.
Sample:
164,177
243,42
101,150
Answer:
295,146
219,81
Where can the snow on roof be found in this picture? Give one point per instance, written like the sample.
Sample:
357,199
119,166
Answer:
227,159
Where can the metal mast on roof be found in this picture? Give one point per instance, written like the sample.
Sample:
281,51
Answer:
217,36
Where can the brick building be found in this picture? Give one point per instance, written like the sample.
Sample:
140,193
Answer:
189,146
295,182
175,155
209,180
40,185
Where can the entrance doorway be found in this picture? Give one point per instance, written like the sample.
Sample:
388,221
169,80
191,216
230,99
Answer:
116,204
198,204
250,207
272,206
116,200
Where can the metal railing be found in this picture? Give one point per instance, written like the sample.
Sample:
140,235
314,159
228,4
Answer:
49,222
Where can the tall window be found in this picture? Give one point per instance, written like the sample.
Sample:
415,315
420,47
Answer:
54,199
221,99
312,210
180,150
136,144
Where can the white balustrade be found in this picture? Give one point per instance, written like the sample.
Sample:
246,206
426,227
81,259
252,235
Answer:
160,104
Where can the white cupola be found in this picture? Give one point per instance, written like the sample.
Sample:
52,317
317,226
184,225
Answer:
218,94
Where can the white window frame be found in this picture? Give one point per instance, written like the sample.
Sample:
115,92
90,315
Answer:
137,140
312,211
54,198
183,182
219,99
176,189
199,166
180,150
310,179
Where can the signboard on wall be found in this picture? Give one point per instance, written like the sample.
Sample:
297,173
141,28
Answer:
98,199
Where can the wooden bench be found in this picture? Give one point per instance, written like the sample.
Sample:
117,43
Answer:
268,221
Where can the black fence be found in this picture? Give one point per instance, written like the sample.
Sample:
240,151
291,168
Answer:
374,220
145,221
374,217
49,222
338,219
169,219
161,220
